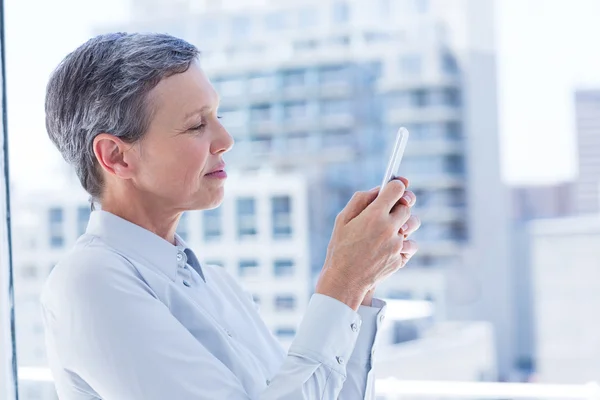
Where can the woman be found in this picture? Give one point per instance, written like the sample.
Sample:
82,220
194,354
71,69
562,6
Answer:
129,312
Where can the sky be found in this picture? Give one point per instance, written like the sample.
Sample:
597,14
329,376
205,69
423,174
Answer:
546,50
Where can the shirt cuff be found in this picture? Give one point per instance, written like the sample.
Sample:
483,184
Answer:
372,318
328,332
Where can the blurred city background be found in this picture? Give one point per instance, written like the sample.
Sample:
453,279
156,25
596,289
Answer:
502,100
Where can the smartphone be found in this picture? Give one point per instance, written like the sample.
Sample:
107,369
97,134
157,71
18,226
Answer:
392,170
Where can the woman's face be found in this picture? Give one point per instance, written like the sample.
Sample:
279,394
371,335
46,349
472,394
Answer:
184,144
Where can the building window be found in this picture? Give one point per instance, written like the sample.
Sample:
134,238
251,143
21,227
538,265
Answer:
276,21
338,138
283,268
455,164
212,224
340,12
240,27
261,144
232,118
246,217
410,65
285,302
297,142
259,84
260,113
294,79
453,130
335,107
307,18
29,271
83,217
230,86
55,216
449,64
182,227
295,110
334,74
248,268
282,217
285,333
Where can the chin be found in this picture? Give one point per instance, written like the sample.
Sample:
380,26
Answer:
209,202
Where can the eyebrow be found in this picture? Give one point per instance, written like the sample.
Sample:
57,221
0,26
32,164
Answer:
197,112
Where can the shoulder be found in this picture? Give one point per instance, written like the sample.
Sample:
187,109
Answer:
89,271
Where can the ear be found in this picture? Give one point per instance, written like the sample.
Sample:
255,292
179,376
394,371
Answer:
114,155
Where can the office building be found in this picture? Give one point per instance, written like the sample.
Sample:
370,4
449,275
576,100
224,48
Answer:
587,186
566,281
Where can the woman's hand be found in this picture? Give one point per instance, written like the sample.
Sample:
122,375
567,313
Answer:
368,243
411,226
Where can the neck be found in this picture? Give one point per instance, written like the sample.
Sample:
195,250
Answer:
148,214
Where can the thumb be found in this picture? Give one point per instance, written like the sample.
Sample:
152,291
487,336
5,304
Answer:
358,202
390,195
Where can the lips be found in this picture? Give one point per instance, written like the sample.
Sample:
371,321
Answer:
217,169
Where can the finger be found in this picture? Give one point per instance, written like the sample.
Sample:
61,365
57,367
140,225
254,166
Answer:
408,198
389,195
403,179
409,249
358,202
399,215
410,226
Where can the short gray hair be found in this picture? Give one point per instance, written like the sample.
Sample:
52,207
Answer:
102,87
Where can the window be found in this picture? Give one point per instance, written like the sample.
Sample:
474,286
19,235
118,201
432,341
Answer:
283,268
457,197
338,138
453,130
182,227
307,17
232,118
449,64
452,97
297,142
261,144
246,217
295,110
248,268
410,65
285,302
260,113
230,86
259,84
212,224
240,27
55,216
29,271
276,21
335,107
285,333
282,218
83,217
340,12
455,164
334,74
293,79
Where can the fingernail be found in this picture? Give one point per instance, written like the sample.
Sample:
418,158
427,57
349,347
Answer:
404,227
407,198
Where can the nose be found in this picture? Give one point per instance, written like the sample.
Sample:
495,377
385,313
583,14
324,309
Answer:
223,141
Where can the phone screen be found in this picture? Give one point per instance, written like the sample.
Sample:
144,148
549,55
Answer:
392,170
